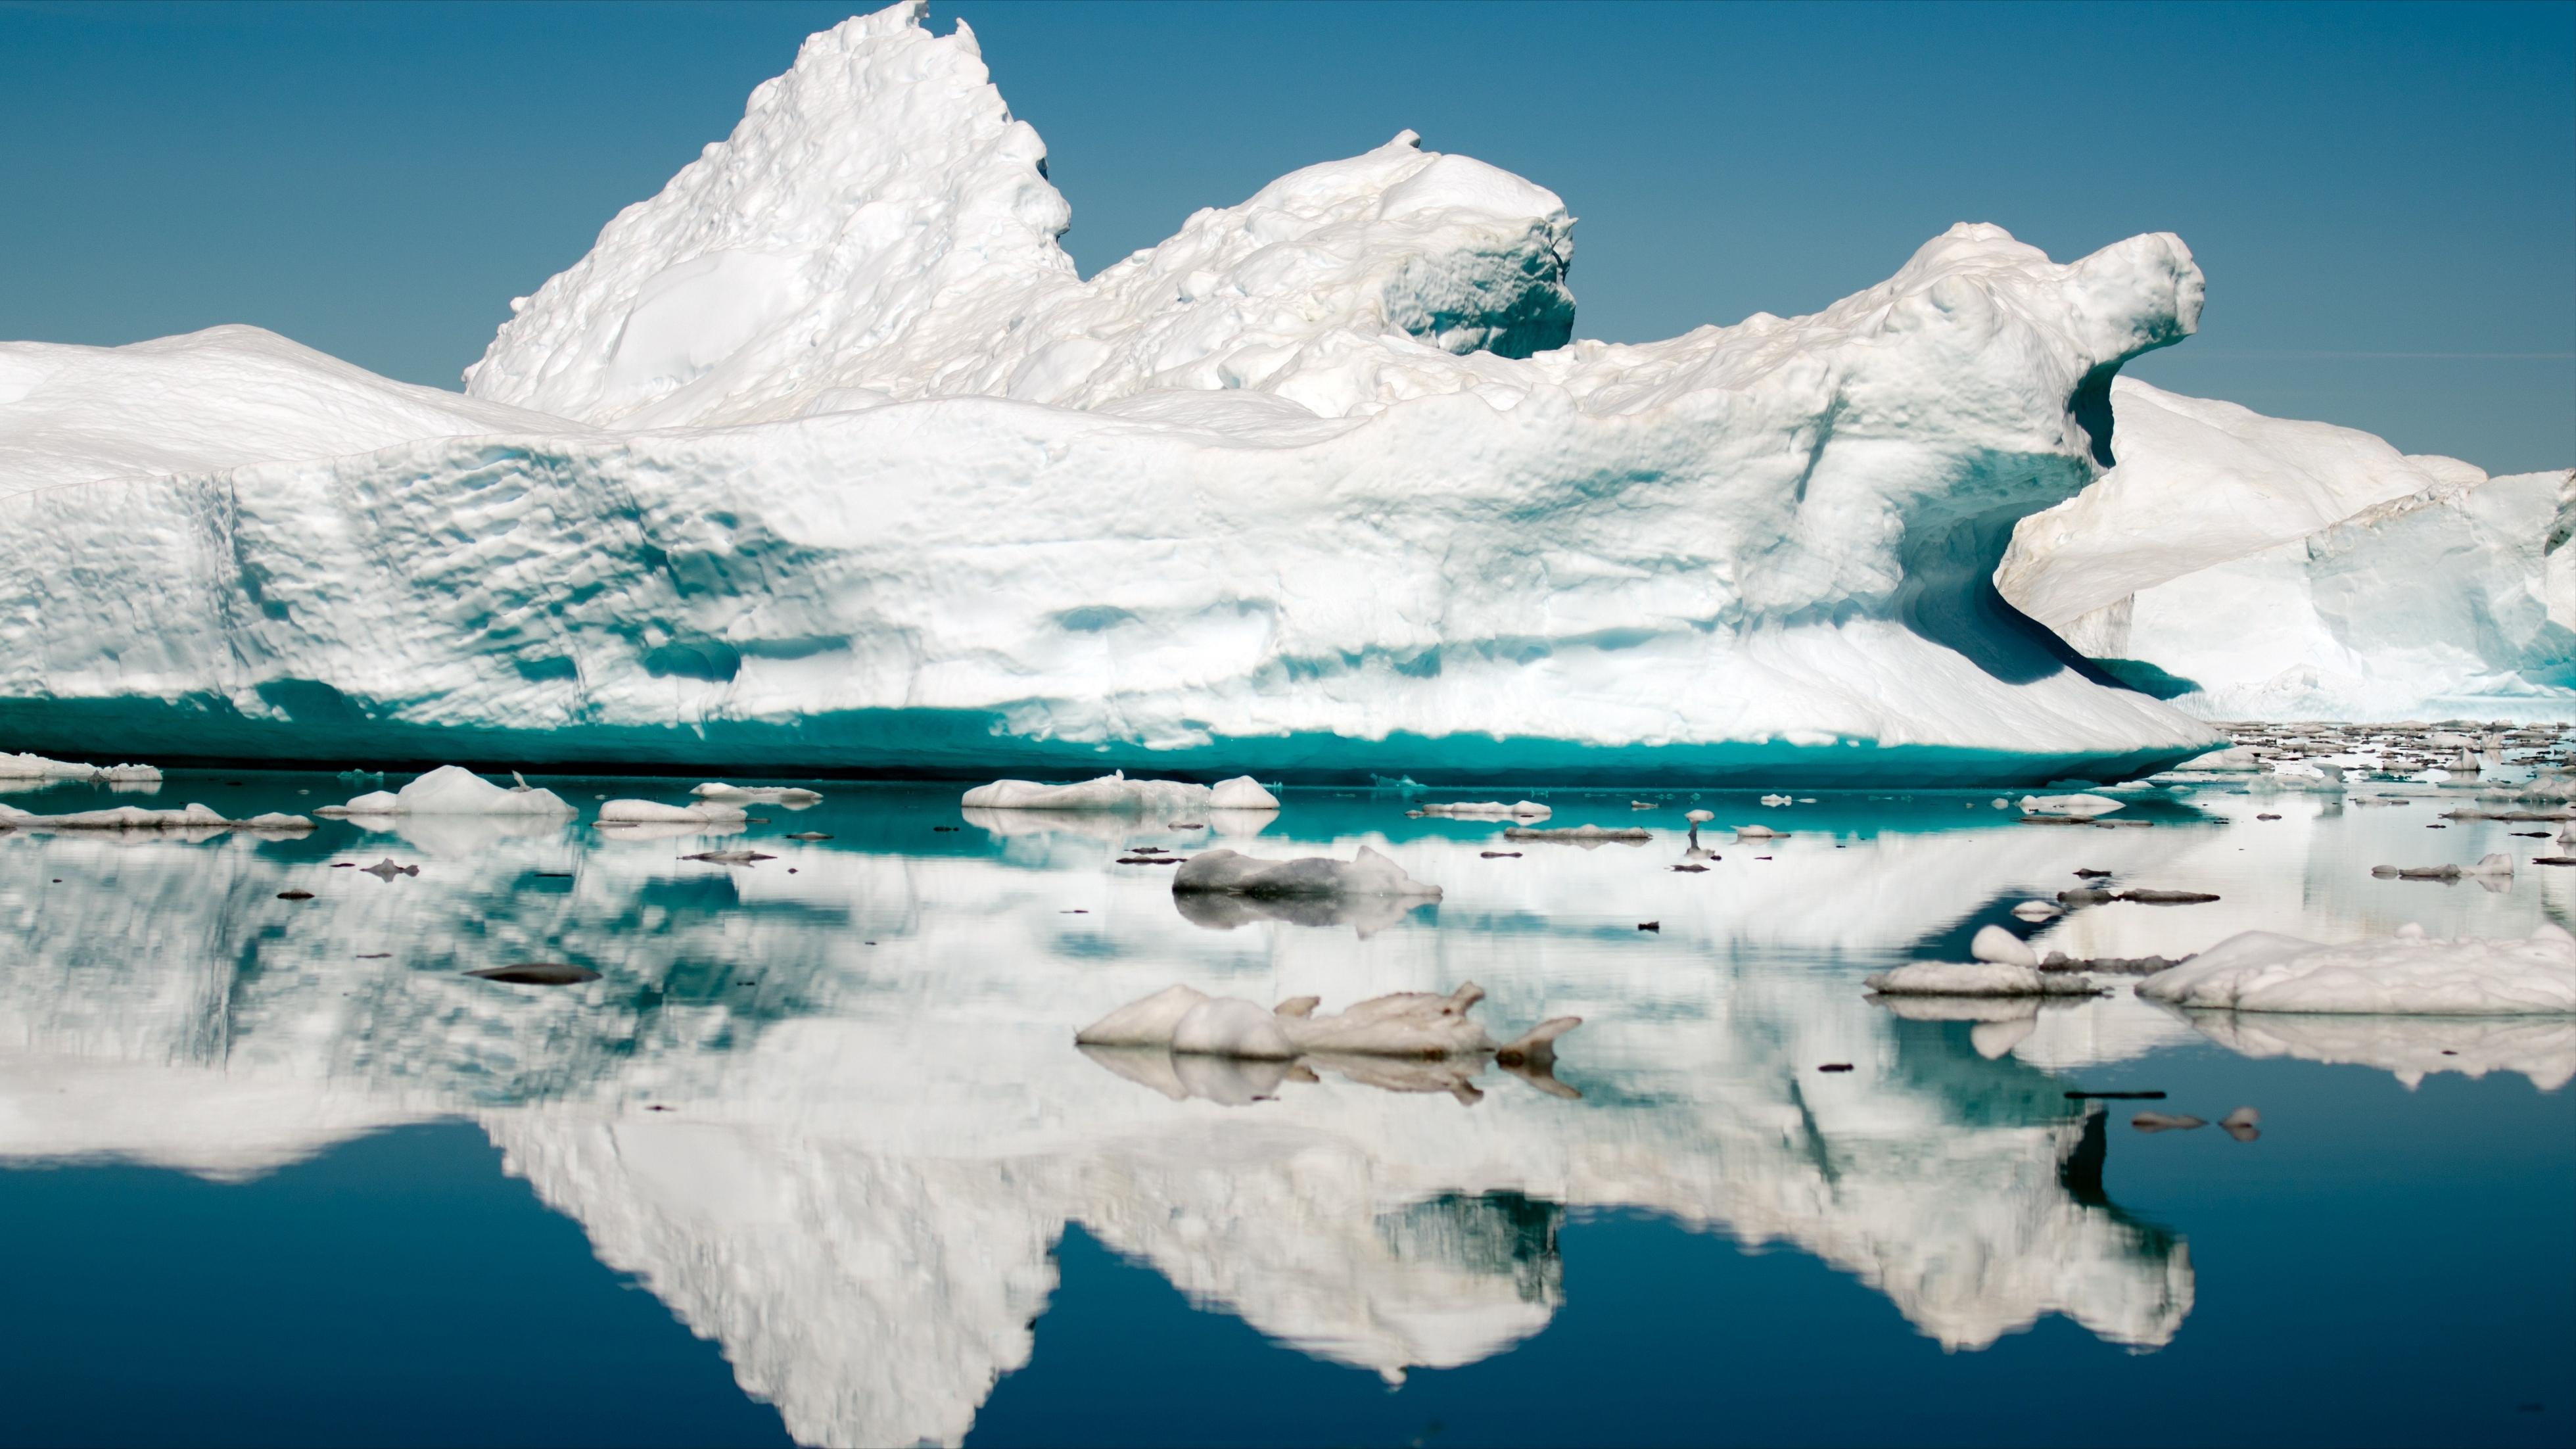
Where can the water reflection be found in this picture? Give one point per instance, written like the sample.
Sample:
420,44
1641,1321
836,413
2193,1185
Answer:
828,1108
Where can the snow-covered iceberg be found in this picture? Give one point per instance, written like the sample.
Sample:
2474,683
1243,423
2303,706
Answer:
2258,568
826,455
1115,793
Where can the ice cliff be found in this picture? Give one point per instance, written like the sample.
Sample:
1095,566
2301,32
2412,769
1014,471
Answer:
827,455
2259,568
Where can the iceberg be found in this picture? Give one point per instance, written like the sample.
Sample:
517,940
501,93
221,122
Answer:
826,456
453,790
2249,567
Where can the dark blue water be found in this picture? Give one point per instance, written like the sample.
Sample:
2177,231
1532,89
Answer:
815,1159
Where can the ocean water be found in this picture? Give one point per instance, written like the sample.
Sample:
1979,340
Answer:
815,1159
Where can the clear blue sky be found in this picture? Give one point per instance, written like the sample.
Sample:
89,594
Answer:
2384,196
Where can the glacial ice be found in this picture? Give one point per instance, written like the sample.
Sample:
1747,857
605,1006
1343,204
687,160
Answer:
192,817
1116,793
2259,568
2409,974
453,790
1975,978
654,812
826,456
37,767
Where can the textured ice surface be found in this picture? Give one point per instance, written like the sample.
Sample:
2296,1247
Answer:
2264,568
1116,793
826,455
1975,978
2407,974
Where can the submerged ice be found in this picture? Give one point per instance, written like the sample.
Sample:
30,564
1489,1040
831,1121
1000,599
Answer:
827,454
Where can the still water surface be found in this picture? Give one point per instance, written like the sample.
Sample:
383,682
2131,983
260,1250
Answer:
816,1159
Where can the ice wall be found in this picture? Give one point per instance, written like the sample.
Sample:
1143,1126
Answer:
857,473
2263,569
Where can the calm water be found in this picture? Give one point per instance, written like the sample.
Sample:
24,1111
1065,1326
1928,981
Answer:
817,1161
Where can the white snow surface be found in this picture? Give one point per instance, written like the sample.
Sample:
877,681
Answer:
2408,974
827,451
654,812
2302,570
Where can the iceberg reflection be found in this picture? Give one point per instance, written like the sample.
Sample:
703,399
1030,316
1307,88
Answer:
870,1125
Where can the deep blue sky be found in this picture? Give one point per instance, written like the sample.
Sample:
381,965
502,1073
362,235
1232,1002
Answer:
2384,196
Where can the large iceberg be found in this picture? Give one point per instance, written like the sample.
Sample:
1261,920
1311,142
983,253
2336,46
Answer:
2258,568
827,456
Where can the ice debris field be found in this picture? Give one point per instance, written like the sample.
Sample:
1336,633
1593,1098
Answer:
827,457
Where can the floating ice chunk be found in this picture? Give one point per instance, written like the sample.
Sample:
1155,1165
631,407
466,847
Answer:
1758,832
2408,974
134,817
1700,817
1982,978
1579,834
1143,1023
1229,1026
453,790
37,767
1775,800
2080,806
1241,793
1110,792
2235,759
1487,810
2038,910
1368,874
2495,864
765,794
2001,947
654,812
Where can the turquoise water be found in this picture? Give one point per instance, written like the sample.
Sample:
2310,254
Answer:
815,1160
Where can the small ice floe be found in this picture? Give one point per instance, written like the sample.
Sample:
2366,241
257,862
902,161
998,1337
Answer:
2495,863
454,790
538,973
359,777
2038,910
788,795
1314,877
807,835
2244,1124
1581,834
1114,791
2551,815
1759,832
385,869
1486,810
37,767
2234,759
1776,800
1995,944
2165,1122
728,857
2408,973
1405,1024
2111,965
2080,807
134,817
654,812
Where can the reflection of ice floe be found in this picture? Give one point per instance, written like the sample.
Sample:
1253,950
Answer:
873,1147
1366,915
2410,1048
